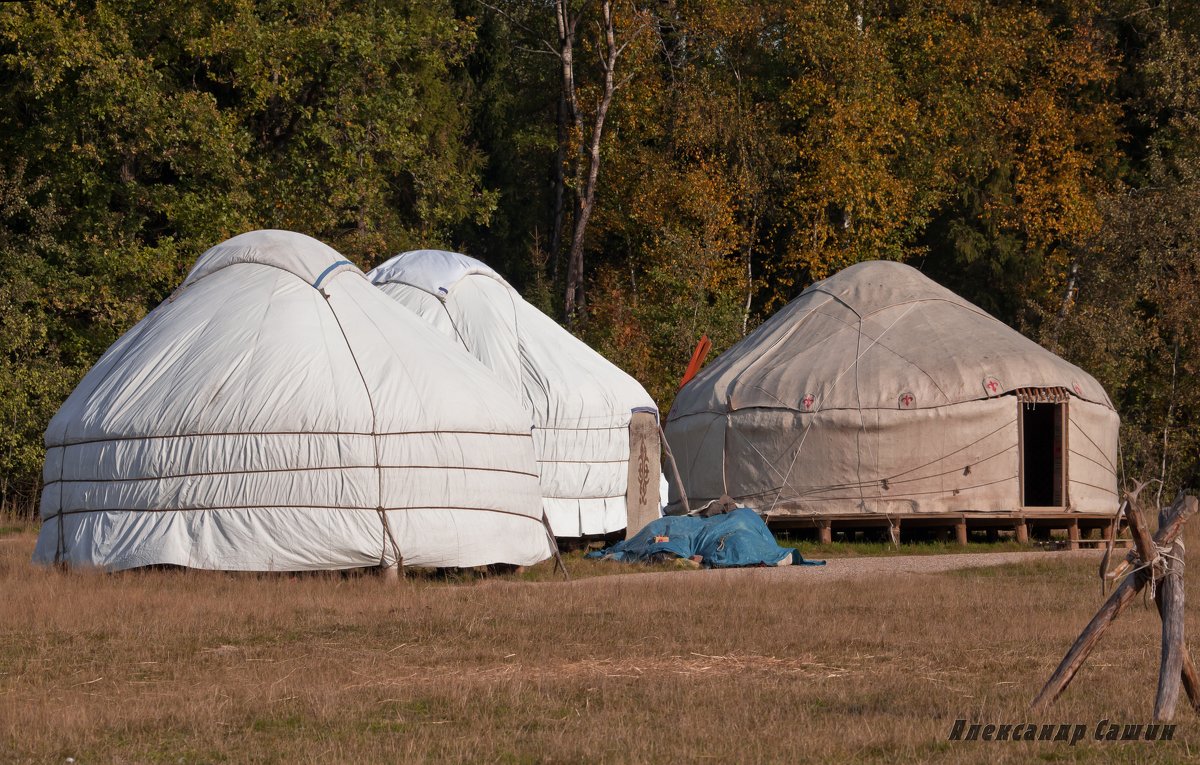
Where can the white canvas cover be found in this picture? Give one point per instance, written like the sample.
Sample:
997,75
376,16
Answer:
580,404
278,413
879,391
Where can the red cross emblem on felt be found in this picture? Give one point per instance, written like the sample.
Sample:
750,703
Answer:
807,401
907,400
992,386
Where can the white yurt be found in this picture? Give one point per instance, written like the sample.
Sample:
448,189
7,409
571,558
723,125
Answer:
877,391
278,413
581,406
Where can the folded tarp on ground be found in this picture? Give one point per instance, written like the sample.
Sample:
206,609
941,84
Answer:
737,538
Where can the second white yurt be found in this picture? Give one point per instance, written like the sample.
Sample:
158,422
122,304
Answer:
278,412
585,412
878,392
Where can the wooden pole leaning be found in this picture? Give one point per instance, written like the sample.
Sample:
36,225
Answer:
1087,640
1177,667
1153,559
1188,675
1169,599
558,561
675,474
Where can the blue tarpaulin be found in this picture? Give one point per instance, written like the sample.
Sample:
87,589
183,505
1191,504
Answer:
737,538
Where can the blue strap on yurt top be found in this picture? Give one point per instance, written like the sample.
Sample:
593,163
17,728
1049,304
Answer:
317,283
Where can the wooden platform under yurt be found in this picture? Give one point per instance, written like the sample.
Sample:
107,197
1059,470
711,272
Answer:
1079,530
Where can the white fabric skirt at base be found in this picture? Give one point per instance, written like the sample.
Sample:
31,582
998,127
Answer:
289,539
586,517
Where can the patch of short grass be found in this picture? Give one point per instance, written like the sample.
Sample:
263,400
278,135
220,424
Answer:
577,565
177,666
13,522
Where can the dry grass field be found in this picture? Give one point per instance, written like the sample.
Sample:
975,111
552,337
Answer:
174,666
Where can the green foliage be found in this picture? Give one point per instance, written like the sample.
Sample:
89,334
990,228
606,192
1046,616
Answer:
515,82
35,376
773,144
1133,322
1133,326
136,135
751,148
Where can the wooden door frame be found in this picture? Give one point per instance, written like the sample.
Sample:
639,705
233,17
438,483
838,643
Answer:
1065,444
1064,415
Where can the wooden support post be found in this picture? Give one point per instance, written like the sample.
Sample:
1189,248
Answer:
1169,599
1191,680
894,532
1189,676
1073,535
1112,608
824,532
960,532
558,561
391,574
1175,517
1143,544
1022,532
1170,520
675,474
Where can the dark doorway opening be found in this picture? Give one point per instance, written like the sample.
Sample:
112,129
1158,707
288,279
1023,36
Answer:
1042,452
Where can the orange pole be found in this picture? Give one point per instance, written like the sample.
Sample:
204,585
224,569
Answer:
698,357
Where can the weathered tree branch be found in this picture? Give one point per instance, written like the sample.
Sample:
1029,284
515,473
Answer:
1173,520
1169,600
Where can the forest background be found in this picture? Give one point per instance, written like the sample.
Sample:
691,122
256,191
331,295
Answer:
646,172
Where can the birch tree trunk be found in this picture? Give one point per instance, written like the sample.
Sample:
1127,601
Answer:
573,301
568,119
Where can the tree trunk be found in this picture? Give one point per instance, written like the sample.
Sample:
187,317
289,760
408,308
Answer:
586,196
556,225
1169,599
568,122
749,273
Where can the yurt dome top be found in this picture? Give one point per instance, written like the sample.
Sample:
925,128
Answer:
313,261
563,378
437,272
878,335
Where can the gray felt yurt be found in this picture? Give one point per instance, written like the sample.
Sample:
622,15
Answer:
877,392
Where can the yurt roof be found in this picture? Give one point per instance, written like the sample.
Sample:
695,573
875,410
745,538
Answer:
564,378
434,271
313,261
580,404
878,335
